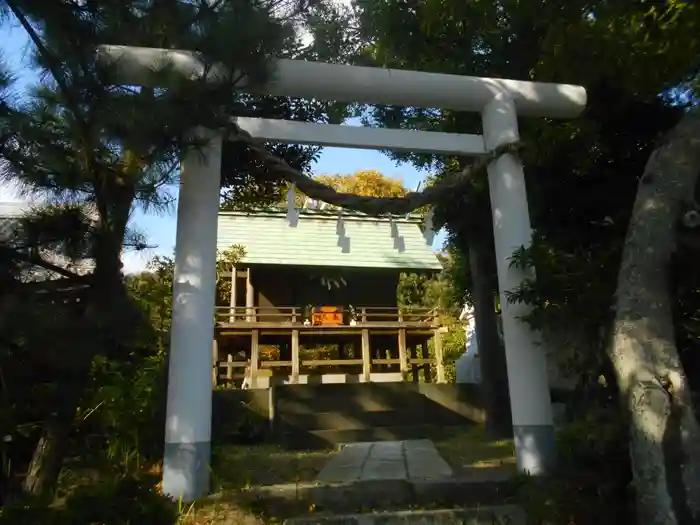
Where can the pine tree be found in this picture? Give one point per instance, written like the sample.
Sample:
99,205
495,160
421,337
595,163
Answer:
82,139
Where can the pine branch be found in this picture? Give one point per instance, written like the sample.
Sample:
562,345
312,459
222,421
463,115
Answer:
38,261
53,64
204,8
56,287
14,253
443,190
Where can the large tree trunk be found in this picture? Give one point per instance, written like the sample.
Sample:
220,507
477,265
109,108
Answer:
47,459
494,375
110,322
664,433
492,357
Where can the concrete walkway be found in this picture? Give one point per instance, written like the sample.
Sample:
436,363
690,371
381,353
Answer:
395,460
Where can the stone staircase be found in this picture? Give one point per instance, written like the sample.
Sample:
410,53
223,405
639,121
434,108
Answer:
321,415
312,416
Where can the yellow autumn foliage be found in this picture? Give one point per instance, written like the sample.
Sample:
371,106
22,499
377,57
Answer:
368,183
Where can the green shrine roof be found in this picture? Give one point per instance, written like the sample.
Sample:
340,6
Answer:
317,239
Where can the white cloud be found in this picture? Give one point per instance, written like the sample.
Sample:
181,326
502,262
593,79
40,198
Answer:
135,261
9,193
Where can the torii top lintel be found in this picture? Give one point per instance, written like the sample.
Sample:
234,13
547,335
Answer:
368,85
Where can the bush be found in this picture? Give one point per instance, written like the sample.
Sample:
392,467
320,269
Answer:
127,500
593,441
594,474
240,417
128,398
28,511
245,426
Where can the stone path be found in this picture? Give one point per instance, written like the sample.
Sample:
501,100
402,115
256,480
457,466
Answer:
395,460
389,475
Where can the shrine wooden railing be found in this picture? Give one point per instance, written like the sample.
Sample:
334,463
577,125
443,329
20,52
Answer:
298,316
242,314
232,370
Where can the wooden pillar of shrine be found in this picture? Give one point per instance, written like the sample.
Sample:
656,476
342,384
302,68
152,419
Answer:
403,354
249,297
295,357
439,361
233,299
254,357
214,363
366,356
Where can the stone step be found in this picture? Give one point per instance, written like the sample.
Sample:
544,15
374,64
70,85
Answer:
354,401
354,420
415,459
496,515
388,395
478,488
360,404
319,391
298,438
433,405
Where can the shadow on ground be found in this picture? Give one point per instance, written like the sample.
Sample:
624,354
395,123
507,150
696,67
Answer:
304,499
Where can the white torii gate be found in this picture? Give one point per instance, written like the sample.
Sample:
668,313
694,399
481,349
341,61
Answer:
188,420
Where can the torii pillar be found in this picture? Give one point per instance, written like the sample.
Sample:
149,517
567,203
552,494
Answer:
188,415
528,381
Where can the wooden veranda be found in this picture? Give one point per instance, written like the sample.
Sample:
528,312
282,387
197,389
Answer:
393,344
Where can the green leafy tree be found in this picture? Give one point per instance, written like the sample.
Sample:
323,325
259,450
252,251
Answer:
414,289
582,175
370,183
433,45
76,137
129,395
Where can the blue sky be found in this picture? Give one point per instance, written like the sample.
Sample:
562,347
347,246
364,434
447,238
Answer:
160,230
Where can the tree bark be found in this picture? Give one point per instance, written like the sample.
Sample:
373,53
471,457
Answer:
110,321
492,357
664,433
47,459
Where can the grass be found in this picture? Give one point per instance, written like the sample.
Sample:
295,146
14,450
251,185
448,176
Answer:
220,513
466,449
235,468
238,467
